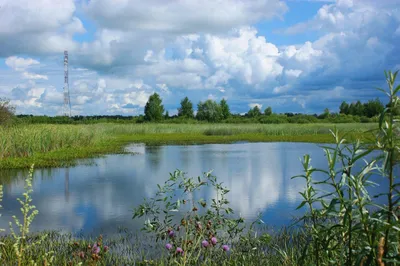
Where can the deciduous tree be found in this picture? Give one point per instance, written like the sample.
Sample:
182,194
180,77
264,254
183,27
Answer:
225,111
6,111
209,110
268,111
254,112
153,111
186,109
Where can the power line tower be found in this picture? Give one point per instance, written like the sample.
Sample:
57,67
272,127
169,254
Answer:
67,101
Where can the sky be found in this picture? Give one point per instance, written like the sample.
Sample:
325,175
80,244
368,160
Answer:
294,55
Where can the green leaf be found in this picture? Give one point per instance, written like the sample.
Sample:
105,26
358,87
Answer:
362,154
396,89
382,117
301,205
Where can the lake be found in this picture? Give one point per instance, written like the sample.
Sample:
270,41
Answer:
100,197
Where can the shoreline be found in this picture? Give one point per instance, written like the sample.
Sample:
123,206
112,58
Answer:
116,145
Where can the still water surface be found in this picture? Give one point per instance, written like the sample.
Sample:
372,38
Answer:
100,197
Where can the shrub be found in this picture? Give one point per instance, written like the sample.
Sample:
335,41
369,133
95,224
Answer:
6,111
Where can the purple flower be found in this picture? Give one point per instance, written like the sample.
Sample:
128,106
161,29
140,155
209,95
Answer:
106,248
168,246
214,240
179,250
95,249
204,243
225,247
171,233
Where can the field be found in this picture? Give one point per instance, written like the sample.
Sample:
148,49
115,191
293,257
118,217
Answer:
60,145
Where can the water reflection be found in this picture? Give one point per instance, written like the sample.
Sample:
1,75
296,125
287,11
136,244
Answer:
100,197
66,185
154,155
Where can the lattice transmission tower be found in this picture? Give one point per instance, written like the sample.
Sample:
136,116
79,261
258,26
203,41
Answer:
67,100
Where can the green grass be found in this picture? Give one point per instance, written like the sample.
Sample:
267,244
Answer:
61,145
283,248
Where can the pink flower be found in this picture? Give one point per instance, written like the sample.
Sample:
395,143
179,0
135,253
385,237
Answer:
225,247
179,250
95,249
106,248
214,240
168,246
204,243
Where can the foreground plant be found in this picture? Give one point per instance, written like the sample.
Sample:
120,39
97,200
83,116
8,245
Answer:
29,212
192,229
346,224
1,230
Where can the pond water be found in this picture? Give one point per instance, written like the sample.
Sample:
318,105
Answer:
100,197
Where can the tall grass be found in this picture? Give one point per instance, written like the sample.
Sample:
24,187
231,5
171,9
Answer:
26,140
23,141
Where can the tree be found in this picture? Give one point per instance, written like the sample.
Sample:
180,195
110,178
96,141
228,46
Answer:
254,112
373,108
6,111
268,111
352,109
225,112
359,109
153,111
209,110
166,116
344,108
186,109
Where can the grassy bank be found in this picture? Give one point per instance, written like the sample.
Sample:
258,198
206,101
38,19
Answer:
60,145
130,249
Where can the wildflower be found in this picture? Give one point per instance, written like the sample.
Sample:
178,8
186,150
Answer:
95,249
225,247
214,240
81,255
168,246
204,243
95,256
171,233
179,250
199,226
106,248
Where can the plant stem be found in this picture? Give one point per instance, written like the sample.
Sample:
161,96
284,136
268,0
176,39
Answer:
391,163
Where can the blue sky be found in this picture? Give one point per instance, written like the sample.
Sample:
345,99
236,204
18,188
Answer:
294,55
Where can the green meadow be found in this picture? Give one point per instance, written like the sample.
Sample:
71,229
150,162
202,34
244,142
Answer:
60,145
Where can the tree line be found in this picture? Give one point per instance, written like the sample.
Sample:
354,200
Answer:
212,111
369,109
208,111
